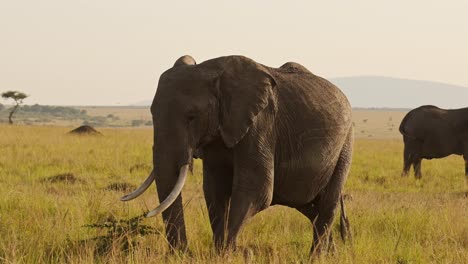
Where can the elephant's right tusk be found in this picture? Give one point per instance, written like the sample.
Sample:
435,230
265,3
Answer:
174,193
140,189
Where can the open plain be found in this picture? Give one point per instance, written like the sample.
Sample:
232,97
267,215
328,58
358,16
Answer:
60,203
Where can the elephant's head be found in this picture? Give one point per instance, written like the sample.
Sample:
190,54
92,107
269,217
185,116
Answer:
193,105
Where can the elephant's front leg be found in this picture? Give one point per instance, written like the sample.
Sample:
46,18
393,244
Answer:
417,169
252,189
217,186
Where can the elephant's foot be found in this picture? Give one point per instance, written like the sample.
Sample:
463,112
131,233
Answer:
179,248
404,174
225,250
231,245
219,246
319,248
322,243
218,237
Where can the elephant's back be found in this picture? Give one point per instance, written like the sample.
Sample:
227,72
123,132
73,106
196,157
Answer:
311,99
311,110
423,121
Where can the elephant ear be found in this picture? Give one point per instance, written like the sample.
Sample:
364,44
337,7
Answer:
246,88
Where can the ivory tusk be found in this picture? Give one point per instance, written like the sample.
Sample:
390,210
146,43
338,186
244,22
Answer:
174,193
140,189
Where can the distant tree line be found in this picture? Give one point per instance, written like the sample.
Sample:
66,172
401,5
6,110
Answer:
46,113
62,111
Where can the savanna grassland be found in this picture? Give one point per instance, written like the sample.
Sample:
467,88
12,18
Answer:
60,193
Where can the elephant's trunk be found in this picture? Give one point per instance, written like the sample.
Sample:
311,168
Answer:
174,193
171,155
169,188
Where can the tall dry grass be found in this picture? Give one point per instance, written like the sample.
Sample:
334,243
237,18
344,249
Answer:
81,220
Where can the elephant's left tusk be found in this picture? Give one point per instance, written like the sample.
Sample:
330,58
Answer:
140,189
174,193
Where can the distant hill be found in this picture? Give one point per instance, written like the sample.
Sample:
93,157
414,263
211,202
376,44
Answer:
388,92
377,91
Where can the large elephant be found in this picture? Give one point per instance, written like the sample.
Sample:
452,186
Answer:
430,132
266,136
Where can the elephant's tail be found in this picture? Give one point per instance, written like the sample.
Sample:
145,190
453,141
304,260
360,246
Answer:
345,229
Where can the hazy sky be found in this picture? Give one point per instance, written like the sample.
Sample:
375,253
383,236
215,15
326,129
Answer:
107,52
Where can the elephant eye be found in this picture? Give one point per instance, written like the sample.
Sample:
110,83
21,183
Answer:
191,116
192,113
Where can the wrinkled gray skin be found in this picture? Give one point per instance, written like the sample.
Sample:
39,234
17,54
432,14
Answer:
430,132
266,136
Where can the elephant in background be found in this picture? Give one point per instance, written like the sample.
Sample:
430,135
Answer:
267,136
430,132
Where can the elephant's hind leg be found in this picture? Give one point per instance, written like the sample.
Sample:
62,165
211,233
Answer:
412,156
406,161
321,210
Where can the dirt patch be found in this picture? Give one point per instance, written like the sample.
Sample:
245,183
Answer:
85,130
63,177
121,187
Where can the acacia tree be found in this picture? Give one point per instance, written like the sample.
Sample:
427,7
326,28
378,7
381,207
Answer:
18,97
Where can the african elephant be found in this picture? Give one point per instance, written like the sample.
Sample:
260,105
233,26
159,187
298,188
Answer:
430,132
266,136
